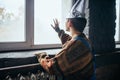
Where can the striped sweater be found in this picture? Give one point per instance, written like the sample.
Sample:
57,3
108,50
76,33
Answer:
75,60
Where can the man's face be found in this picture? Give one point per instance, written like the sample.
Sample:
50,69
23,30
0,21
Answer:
67,25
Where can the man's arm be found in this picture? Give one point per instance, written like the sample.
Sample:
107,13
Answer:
62,35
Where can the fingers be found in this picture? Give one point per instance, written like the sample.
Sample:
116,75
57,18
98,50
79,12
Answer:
55,21
56,25
46,63
52,26
42,62
49,62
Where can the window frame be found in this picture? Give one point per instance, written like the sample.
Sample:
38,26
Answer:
29,34
119,22
118,42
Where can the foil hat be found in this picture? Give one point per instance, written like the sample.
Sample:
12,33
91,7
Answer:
78,10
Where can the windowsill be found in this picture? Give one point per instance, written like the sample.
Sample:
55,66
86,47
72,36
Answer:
118,45
22,58
25,54
9,59
30,53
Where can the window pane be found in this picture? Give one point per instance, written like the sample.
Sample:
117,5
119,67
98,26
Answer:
117,34
12,20
45,12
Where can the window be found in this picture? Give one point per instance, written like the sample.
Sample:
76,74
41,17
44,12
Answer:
117,35
12,24
45,12
25,24
12,20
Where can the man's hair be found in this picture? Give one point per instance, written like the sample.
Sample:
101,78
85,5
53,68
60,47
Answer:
78,23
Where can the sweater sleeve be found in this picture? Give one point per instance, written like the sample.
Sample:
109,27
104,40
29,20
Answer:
63,37
75,56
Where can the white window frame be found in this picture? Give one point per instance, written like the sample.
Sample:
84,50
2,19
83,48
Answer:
118,42
29,33
119,22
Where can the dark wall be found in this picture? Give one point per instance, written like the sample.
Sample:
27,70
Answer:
102,17
102,25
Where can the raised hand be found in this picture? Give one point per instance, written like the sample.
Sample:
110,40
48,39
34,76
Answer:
56,25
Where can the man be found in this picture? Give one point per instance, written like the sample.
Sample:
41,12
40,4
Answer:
75,60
